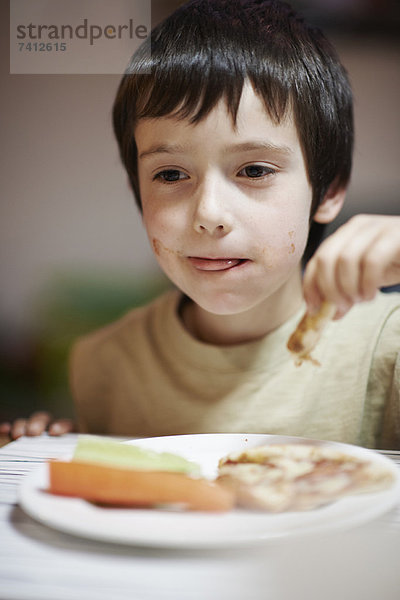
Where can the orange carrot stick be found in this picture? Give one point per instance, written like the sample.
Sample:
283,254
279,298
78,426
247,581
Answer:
128,487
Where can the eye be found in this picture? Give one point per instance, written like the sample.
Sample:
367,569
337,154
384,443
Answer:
256,171
170,175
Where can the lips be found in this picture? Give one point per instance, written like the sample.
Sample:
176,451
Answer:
215,264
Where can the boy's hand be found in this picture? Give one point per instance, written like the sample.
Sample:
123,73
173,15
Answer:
350,265
38,423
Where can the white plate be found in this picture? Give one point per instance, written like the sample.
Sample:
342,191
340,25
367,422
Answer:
172,529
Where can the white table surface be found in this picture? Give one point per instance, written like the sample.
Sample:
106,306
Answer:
39,563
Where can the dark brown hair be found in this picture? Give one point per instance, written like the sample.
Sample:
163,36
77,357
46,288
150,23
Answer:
205,51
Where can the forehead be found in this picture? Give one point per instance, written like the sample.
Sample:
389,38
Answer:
253,125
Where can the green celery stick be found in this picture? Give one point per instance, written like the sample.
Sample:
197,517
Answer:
101,450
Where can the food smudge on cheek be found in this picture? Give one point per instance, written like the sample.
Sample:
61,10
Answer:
268,253
159,247
273,255
292,247
156,246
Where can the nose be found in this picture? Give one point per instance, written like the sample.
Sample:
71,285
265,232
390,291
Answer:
211,212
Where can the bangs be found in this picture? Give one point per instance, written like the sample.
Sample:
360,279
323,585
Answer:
188,76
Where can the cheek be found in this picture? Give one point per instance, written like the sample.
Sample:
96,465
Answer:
156,227
163,237
283,240
162,220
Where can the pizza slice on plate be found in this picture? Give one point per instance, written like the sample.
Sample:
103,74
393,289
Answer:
286,477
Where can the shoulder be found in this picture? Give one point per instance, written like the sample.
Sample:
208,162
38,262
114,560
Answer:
107,364
369,319
130,324
387,347
101,348
369,329
370,324
372,331
383,304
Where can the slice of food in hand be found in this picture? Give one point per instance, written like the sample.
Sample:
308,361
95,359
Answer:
127,487
96,449
298,477
308,332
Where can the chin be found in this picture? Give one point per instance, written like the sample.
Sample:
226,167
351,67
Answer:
224,304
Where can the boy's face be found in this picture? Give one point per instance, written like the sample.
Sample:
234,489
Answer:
226,210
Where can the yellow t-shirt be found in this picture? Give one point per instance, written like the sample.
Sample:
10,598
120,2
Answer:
146,375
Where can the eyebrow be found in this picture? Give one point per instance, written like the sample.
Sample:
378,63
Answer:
163,149
243,147
260,145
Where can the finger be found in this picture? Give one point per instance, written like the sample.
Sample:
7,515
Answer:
355,261
5,428
350,266
61,426
319,277
320,284
18,429
38,423
333,272
314,301
312,294
379,266
392,275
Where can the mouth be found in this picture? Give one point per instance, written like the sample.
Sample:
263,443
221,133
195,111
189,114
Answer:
216,264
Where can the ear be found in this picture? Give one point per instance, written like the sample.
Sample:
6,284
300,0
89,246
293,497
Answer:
331,204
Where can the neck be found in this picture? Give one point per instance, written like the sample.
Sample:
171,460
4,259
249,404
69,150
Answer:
248,325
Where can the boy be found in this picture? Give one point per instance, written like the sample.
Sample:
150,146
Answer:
237,141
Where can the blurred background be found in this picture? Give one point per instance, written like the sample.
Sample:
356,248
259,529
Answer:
73,251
